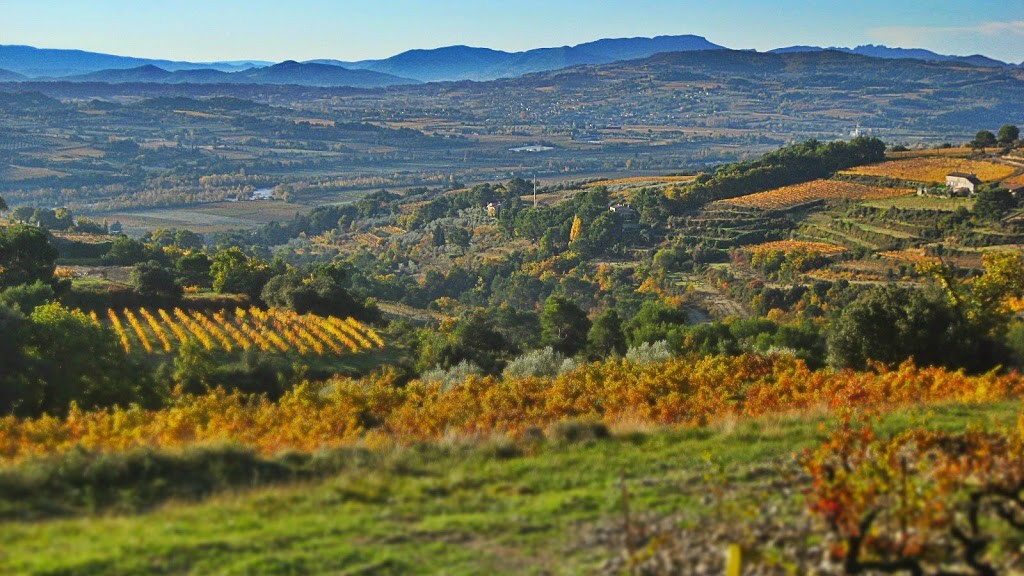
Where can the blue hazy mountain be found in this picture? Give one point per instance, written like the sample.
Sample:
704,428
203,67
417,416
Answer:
49,62
469,63
878,51
289,72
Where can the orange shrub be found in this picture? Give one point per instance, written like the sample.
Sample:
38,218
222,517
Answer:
684,392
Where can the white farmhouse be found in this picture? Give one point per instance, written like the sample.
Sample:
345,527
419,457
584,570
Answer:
962,182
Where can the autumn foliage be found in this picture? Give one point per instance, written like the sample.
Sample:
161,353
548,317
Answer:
923,502
799,194
272,331
376,410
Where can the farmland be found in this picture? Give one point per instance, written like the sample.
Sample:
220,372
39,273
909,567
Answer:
934,170
271,331
789,197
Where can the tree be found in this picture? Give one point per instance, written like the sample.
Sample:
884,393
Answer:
983,139
320,292
194,269
439,239
125,251
577,228
892,324
234,272
3,205
157,285
606,337
1008,134
564,326
26,255
994,204
73,359
26,297
22,214
656,320
18,394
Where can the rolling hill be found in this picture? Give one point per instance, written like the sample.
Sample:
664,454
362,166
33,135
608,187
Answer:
468,63
878,51
290,72
49,62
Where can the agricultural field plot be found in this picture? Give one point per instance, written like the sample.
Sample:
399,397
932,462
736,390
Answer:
787,246
207,218
796,195
272,331
934,170
922,203
909,256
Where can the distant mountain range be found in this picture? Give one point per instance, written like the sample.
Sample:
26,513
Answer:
876,51
468,63
451,63
290,72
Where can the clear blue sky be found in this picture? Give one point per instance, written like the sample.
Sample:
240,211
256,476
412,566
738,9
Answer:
203,30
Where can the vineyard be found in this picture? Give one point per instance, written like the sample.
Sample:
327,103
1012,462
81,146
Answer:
374,411
910,255
272,331
787,246
789,197
934,169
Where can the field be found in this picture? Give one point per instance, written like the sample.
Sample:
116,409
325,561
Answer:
934,170
923,203
273,330
205,218
788,246
547,507
799,194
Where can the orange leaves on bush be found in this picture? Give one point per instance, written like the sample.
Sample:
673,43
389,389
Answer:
683,392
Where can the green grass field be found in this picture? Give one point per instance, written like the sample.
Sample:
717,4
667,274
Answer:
922,203
492,507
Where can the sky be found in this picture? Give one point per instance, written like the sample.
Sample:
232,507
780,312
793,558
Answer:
220,30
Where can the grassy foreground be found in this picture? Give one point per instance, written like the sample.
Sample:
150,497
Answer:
490,507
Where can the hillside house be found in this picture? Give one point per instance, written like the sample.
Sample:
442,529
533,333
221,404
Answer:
627,214
962,183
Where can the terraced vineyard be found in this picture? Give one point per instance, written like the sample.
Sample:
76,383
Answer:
796,195
788,246
272,331
934,170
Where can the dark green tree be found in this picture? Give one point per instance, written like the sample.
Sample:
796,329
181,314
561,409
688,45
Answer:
1008,134
891,324
73,359
656,320
26,255
320,291
194,269
606,337
983,139
994,204
564,326
156,284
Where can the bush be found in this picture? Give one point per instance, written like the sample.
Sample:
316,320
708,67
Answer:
539,363
453,376
648,353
